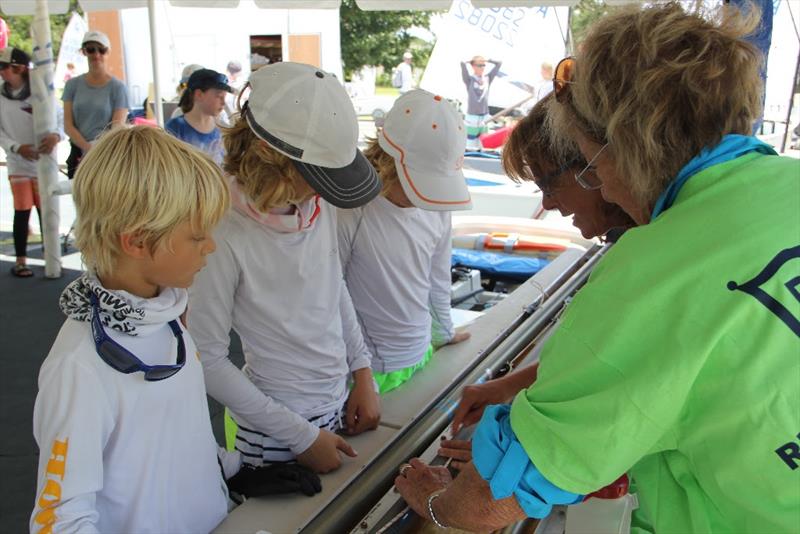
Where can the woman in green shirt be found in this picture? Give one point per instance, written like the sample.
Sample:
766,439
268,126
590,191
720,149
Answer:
677,362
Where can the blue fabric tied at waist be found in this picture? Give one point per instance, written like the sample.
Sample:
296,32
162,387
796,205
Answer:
500,460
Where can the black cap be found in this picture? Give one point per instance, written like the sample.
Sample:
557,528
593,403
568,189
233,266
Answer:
14,56
205,79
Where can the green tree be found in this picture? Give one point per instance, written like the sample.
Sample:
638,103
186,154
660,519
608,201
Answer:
583,15
380,37
20,29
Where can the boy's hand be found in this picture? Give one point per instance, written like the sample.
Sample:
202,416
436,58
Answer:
49,141
275,479
458,450
363,409
28,152
323,455
459,336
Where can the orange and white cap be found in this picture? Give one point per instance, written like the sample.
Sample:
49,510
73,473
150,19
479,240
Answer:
426,137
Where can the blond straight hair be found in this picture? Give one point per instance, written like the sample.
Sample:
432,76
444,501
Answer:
660,84
142,180
383,163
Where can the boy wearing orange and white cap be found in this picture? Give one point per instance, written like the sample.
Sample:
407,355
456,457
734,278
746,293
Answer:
395,250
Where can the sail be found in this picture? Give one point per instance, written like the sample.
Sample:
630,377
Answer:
70,50
522,38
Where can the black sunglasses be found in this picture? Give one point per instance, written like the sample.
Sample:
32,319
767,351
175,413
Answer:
122,360
4,66
93,49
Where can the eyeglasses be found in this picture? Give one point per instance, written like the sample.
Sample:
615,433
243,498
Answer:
563,78
95,50
548,185
123,360
479,65
587,178
4,66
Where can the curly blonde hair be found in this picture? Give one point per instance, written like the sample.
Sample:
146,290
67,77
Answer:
660,84
267,177
142,180
383,163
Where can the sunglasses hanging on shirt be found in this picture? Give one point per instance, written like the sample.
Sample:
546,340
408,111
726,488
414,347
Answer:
124,361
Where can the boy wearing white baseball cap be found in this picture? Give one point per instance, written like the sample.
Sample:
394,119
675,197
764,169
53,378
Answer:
396,250
291,156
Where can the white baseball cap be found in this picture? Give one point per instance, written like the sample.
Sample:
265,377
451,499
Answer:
305,114
188,70
425,135
96,37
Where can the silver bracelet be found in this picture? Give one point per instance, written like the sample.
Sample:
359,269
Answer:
433,497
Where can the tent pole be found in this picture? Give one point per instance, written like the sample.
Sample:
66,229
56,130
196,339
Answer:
159,109
791,105
45,122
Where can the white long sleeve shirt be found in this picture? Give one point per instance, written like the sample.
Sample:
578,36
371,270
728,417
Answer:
397,267
284,295
119,454
16,129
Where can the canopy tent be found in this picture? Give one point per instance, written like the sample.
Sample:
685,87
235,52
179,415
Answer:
26,7
43,8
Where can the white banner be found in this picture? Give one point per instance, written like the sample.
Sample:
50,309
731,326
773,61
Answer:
782,59
70,51
522,38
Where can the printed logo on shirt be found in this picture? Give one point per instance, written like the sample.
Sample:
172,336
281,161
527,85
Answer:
790,453
50,497
777,287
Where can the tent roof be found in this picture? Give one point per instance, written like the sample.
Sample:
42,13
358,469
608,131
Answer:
26,7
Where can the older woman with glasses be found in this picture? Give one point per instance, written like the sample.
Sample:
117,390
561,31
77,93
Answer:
93,100
678,361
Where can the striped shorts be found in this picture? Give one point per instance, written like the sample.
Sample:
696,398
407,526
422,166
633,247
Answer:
258,448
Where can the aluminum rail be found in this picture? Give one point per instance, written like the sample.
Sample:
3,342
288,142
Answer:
357,499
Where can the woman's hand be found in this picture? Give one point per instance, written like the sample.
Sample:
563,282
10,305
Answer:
28,152
48,143
323,455
498,391
363,410
474,399
458,450
417,481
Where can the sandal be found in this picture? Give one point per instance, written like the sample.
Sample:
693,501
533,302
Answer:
21,271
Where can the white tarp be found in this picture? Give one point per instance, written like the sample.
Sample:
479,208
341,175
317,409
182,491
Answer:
522,38
45,121
782,59
70,50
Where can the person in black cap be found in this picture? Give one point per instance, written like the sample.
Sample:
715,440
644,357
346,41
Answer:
201,102
22,150
276,278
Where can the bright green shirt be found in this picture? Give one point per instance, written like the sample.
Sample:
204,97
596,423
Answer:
663,369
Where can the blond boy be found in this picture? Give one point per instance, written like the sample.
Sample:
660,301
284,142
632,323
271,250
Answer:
121,417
